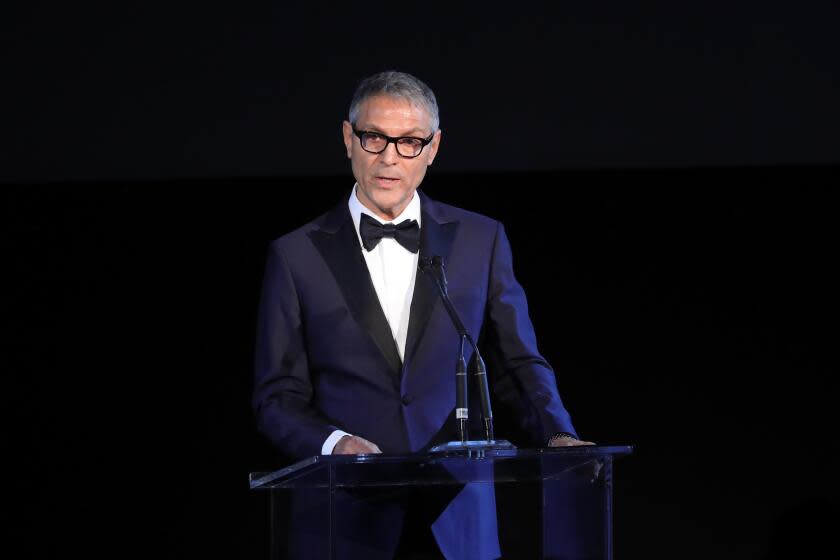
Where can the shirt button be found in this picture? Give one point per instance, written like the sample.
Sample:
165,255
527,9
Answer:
407,399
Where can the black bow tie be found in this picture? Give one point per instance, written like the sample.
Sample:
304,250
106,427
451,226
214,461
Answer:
406,233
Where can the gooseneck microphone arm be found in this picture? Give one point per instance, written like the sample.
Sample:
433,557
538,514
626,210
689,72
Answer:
435,269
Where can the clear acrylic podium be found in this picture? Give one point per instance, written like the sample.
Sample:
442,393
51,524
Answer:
550,503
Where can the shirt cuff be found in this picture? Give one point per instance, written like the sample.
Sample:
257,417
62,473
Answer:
329,445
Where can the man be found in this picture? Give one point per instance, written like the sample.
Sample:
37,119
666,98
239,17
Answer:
355,353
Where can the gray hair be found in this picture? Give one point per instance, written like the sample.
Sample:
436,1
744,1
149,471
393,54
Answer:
396,84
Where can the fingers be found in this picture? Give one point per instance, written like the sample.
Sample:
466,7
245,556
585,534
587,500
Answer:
355,445
372,446
569,442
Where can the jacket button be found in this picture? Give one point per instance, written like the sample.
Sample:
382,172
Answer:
407,399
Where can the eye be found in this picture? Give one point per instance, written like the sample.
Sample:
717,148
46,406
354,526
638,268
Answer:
373,141
410,142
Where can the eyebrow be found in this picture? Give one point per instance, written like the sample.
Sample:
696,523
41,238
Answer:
410,132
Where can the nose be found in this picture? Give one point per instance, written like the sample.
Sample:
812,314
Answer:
390,155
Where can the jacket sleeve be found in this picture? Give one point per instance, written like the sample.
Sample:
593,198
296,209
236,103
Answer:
523,381
283,390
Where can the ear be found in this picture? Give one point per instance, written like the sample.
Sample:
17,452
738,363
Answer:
347,132
433,148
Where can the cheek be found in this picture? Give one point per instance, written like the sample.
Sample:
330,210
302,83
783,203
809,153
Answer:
359,163
418,171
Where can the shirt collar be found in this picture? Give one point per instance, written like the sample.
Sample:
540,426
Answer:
411,212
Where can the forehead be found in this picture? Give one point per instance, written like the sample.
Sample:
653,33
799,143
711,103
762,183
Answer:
394,113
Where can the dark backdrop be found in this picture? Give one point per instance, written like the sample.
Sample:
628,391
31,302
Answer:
665,176
219,89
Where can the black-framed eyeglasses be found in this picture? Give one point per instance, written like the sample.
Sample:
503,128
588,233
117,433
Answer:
376,143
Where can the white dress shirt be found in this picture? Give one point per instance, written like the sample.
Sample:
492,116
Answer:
393,269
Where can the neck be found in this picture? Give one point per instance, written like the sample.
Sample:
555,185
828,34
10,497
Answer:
389,214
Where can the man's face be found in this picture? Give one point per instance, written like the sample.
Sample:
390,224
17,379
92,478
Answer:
387,181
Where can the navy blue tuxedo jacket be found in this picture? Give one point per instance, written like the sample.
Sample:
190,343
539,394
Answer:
326,360
326,357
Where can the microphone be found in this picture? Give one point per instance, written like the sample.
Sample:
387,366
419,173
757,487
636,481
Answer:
435,268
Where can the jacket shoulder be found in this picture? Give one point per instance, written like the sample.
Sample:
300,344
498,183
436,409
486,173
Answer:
466,217
300,237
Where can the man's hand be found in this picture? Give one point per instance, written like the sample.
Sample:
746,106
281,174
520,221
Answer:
567,441
590,469
355,445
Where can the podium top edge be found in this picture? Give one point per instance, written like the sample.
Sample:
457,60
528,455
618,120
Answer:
301,468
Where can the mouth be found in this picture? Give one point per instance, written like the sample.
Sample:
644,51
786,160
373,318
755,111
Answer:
386,181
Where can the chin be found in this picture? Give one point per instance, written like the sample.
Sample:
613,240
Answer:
389,200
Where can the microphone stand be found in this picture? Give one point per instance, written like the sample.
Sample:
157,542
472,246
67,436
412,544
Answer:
435,269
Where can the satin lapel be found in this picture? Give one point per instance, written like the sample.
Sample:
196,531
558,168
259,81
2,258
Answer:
339,246
437,234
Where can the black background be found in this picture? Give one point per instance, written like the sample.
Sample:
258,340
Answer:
666,176
219,89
